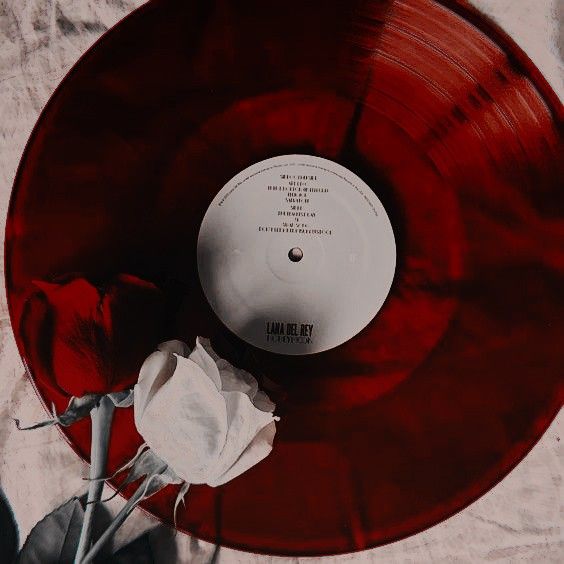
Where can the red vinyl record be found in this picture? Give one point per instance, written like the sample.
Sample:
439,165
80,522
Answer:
459,137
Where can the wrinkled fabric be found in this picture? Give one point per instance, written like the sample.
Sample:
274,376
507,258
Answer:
205,418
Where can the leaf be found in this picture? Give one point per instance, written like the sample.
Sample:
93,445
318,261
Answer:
136,552
146,463
55,538
77,409
122,399
180,498
149,464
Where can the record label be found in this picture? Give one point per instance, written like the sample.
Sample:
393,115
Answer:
296,254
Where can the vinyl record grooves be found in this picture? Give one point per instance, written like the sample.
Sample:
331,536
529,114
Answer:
458,136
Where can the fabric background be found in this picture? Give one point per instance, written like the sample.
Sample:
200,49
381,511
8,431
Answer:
520,520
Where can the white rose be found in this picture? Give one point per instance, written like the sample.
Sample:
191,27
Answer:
203,417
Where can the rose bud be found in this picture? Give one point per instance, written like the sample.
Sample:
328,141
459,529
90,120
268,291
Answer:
204,418
81,339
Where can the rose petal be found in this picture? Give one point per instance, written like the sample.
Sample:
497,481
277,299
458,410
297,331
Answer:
258,449
79,345
36,328
75,298
244,422
263,402
175,347
232,378
156,370
206,362
132,314
185,422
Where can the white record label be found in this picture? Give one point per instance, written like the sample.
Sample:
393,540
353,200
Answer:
296,254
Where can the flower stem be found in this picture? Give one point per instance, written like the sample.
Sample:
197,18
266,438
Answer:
132,502
101,415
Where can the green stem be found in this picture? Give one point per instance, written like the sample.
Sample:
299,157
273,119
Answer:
132,502
101,416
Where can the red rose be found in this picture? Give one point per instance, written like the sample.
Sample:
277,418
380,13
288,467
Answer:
88,340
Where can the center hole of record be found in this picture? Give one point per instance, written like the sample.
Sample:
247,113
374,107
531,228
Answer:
295,254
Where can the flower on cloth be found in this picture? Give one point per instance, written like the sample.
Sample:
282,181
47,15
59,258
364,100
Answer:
202,416
203,421
89,343
81,339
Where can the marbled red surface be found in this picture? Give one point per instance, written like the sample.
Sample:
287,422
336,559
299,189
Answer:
458,375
